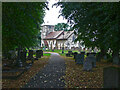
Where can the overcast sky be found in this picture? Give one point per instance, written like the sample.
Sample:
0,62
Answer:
51,16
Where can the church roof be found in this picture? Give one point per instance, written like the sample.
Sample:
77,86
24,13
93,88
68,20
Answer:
60,35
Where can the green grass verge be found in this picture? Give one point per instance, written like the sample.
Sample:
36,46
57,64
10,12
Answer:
46,54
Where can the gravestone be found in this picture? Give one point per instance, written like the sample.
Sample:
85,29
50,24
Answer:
98,57
111,77
68,55
79,58
30,55
38,54
23,56
41,52
87,54
70,52
87,65
92,59
75,53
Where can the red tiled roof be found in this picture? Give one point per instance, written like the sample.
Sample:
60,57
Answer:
53,35
59,35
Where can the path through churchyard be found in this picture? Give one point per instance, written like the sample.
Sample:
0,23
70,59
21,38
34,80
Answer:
51,75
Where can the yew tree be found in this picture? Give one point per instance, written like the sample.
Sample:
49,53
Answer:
96,23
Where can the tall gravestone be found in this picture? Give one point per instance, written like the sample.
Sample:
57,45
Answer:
30,55
111,77
98,57
93,59
80,58
87,65
75,53
23,56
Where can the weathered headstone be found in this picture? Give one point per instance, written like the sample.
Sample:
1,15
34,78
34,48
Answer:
67,55
38,54
111,77
75,53
92,59
87,65
79,58
41,52
70,52
30,54
23,56
98,57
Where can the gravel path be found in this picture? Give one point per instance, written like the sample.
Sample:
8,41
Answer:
49,76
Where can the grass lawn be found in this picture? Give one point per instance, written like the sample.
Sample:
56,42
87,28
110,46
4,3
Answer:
60,51
46,54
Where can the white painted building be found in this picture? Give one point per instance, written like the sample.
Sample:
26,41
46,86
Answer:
58,39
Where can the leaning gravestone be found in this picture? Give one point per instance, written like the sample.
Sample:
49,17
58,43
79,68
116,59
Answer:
79,58
30,55
111,77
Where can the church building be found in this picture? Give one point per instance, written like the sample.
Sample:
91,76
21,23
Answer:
52,39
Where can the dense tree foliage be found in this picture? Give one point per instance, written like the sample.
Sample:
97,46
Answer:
97,24
62,26
21,23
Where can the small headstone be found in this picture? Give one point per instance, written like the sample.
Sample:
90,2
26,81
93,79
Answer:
70,52
67,55
30,54
75,53
38,54
79,58
111,77
41,52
